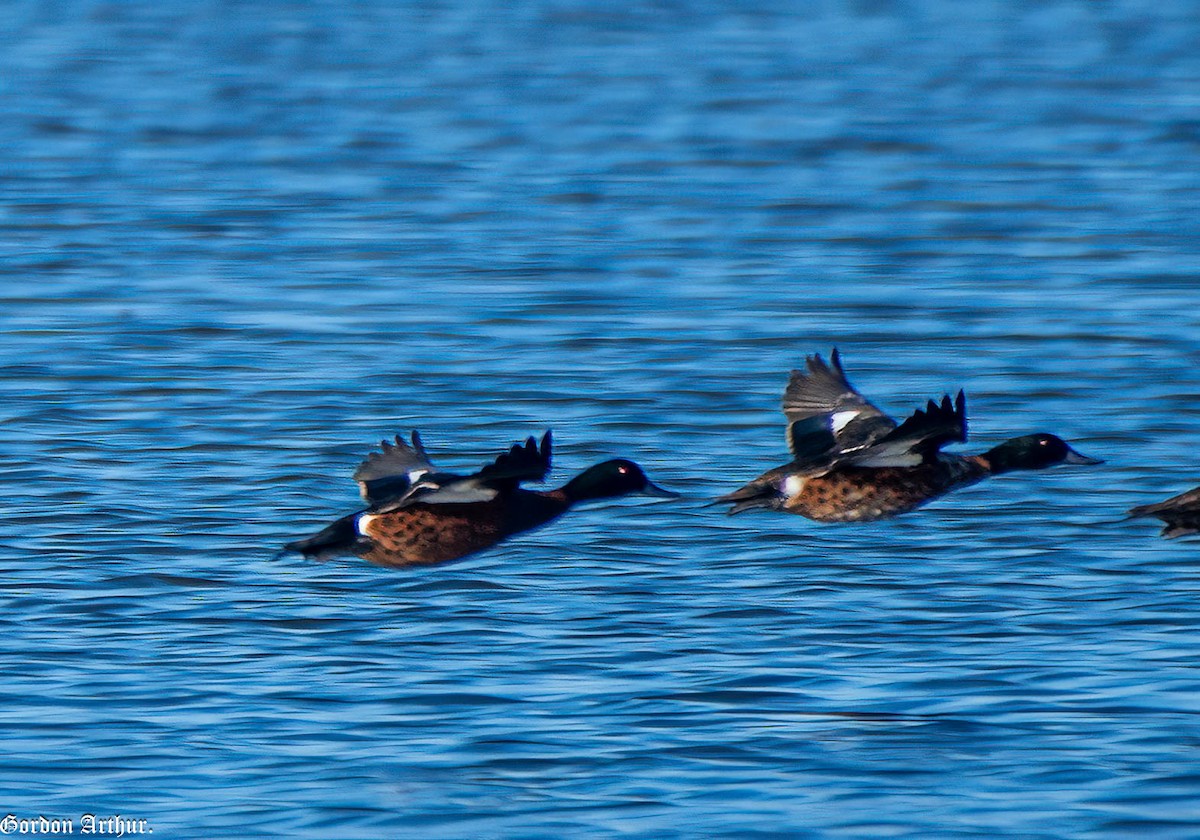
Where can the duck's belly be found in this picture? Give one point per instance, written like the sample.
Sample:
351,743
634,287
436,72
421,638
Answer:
863,495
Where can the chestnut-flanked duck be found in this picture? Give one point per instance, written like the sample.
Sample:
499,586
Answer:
853,463
418,515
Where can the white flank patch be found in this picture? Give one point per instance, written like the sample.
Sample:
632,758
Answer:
363,521
840,419
414,475
792,485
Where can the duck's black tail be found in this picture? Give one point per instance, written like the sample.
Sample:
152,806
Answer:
340,538
756,494
1178,523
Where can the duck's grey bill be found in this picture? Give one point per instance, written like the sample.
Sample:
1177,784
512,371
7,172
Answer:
652,489
1074,457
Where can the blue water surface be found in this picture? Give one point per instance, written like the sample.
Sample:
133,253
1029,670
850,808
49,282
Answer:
242,242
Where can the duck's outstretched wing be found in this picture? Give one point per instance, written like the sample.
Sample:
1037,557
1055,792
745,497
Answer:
523,462
1181,514
393,470
826,415
918,439
529,461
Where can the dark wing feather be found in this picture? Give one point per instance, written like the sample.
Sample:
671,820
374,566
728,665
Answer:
523,462
918,439
826,415
389,473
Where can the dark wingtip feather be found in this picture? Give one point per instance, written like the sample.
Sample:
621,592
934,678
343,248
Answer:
816,364
933,426
819,388
948,410
960,408
528,461
393,459
417,444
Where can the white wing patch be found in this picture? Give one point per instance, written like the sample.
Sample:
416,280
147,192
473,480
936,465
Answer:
792,485
896,455
841,419
460,492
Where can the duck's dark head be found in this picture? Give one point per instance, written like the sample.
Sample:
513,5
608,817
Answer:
1034,452
618,477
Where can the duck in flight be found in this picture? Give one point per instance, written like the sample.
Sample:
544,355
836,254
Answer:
853,463
1181,514
418,515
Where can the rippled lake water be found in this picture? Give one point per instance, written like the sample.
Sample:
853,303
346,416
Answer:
240,243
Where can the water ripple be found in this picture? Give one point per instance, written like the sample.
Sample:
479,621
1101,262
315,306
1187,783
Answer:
238,249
